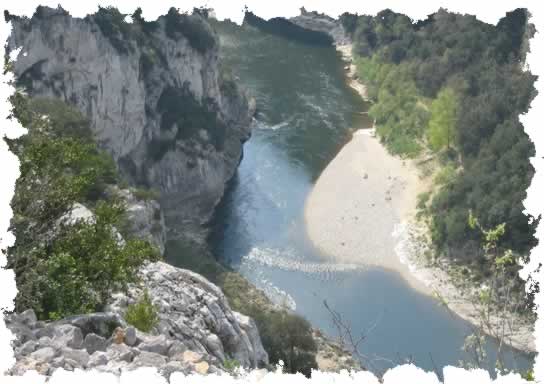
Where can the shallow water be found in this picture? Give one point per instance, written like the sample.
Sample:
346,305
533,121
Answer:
306,112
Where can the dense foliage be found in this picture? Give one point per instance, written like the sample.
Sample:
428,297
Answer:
64,268
455,86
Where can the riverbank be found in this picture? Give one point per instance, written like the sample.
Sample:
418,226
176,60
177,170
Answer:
362,210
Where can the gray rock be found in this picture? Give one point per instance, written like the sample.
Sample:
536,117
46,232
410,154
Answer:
213,343
27,348
69,336
47,342
174,366
77,213
258,354
81,357
120,352
44,354
22,332
49,331
57,362
197,313
28,317
70,364
176,348
130,336
148,359
93,343
102,324
98,358
158,344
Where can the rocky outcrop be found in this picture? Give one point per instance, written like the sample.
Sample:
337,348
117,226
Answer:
314,21
195,312
139,85
145,218
196,332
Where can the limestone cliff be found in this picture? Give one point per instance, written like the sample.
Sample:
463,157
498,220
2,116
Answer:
154,95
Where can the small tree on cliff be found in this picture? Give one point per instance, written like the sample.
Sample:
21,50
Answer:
443,121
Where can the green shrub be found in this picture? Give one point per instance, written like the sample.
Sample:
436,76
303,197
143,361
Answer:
288,337
231,364
62,270
114,27
86,263
422,200
285,335
446,175
142,314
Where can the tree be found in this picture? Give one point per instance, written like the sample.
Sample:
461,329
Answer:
443,120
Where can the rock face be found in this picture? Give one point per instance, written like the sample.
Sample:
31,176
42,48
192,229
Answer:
322,23
195,313
118,80
145,217
196,332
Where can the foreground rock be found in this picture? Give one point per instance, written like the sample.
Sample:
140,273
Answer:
196,332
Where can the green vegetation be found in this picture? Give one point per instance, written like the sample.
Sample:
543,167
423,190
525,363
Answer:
454,87
142,314
231,364
399,112
63,269
113,25
288,338
494,297
443,121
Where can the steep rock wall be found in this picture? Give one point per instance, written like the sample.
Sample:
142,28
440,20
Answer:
118,73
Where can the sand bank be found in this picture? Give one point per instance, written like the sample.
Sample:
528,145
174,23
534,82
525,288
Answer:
356,203
362,211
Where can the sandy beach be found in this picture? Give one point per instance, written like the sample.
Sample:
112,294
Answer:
362,211
356,203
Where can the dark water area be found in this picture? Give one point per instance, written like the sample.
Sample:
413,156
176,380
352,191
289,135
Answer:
306,112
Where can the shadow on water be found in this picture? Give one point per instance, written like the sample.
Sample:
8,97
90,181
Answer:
306,114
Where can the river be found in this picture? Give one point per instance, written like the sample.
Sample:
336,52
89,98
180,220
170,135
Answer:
306,112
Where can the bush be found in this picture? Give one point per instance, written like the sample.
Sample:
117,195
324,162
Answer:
114,27
142,314
285,336
288,337
66,269
84,264
231,364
